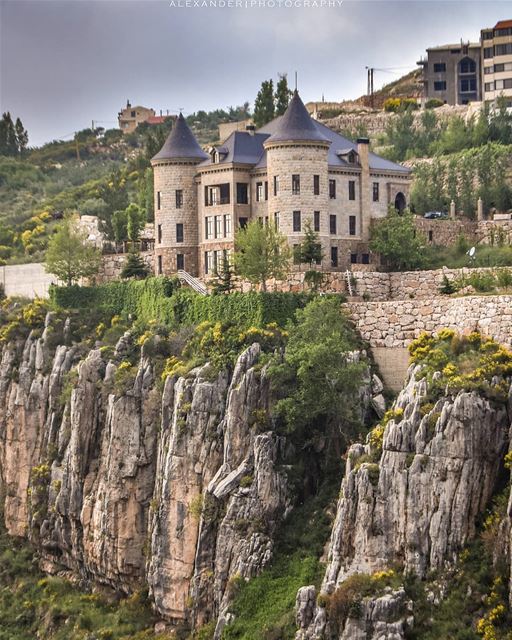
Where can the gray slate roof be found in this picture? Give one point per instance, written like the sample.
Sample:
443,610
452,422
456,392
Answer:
180,143
296,124
245,148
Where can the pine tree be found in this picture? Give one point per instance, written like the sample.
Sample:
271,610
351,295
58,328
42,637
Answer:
134,267
8,142
264,104
283,94
310,248
224,278
21,136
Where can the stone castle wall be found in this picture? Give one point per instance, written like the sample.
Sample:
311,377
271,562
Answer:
112,265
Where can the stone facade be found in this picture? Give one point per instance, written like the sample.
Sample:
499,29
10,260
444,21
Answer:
175,204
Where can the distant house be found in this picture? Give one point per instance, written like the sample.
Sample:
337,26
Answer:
227,128
130,117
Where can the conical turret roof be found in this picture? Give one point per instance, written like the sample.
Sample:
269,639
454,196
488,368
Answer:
296,125
180,143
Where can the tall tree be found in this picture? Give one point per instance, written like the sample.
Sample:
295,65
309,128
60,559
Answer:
264,104
310,248
8,141
396,239
283,94
114,192
21,136
261,252
69,256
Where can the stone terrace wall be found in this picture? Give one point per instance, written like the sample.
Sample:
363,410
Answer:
391,324
112,265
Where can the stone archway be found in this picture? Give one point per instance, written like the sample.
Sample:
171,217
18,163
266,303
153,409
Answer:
400,202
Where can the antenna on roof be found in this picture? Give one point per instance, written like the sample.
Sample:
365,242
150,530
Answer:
295,81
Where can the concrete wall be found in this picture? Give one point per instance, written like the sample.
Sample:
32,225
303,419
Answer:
27,280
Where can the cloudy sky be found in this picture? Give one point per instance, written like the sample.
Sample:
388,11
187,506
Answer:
64,63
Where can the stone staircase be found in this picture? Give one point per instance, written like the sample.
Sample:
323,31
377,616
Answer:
193,283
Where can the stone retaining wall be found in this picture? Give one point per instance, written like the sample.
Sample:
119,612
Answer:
394,324
112,265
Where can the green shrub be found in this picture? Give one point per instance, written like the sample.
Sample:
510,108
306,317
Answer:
433,103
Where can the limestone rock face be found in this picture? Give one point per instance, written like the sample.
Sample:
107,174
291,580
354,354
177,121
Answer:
419,505
120,480
415,506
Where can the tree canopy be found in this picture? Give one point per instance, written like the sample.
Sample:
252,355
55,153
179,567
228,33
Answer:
264,110
398,242
13,136
261,252
69,256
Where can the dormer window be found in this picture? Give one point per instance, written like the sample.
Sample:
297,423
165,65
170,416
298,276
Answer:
350,156
215,156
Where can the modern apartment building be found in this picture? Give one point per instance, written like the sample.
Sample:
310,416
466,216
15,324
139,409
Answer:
452,73
496,45
291,172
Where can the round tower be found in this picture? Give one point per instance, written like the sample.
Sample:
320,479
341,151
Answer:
175,191
298,180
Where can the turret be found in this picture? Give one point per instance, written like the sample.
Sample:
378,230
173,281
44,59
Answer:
176,232
297,171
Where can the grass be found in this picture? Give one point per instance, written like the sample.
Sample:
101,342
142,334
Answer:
33,605
265,606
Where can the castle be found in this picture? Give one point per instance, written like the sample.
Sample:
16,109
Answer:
292,171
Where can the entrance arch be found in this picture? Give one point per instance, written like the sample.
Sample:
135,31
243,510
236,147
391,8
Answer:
400,202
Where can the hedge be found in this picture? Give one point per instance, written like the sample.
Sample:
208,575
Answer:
163,300
144,299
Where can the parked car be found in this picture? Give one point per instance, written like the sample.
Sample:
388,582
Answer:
435,214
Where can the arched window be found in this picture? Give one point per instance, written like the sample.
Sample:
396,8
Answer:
467,65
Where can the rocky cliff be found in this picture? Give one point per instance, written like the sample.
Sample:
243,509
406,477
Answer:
410,500
124,480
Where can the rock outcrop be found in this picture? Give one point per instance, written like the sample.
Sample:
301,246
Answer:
413,505
120,481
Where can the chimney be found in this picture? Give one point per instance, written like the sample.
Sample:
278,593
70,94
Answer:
363,150
250,128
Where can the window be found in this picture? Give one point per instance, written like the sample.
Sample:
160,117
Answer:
266,190
159,264
259,191
375,191
179,232
316,185
180,261
242,193
332,189
489,86
208,227
218,226
276,219
242,223
467,85
439,67
316,220
334,256
488,52
276,185
332,224
440,85
132,114
467,66
179,198
295,184
486,35
503,49
158,200
353,258
488,70
208,262
365,258
351,189
351,225
498,68
227,226
159,231
430,236
296,220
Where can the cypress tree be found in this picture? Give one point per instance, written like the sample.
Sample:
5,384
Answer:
264,104
283,94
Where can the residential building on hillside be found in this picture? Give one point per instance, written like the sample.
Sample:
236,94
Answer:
452,73
291,172
130,117
497,61
227,128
